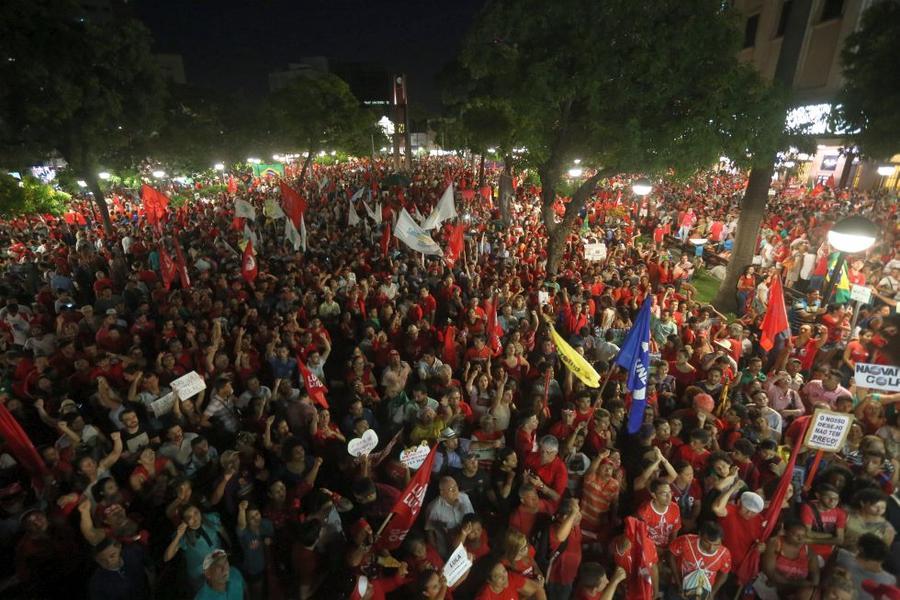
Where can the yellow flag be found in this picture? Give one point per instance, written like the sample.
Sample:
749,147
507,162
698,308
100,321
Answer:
575,362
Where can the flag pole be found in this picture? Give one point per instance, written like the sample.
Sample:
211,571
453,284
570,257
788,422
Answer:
606,379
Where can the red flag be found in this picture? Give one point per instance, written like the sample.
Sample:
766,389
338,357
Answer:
449,354
776,319
314,386
20,446
167,267
386,239
407,507
748,568
182,266
232,185
237,223
156,204
492,329
292,203
249,268
454,244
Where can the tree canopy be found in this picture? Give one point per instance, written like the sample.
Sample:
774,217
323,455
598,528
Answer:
86,92
624,86
867,103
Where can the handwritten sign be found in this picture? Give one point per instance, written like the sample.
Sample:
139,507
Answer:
457,565
543,298
364,444
595,251
189,385
828,430
163,406
860,293
415,456
483,453
877,377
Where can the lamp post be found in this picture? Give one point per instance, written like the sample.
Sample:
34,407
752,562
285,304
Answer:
641,187
885,171
848,236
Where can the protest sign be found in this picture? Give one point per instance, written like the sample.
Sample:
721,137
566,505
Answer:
828,430
415,456
189,385
860,293
595,251
877,377
457,565
163,406
364,444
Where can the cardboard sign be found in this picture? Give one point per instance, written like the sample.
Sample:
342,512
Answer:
457,565
361,446
595,251
828,430
189,385
860,293
163,405
483,453
415,456
543,298
877,377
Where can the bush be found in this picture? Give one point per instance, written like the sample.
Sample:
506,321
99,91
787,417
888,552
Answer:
30,196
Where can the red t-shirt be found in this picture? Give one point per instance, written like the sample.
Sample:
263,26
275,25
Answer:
661,528
565,567
738,533
554,475
828,521
689,558
511,592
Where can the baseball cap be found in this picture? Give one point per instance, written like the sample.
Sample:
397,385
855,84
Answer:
212,557
111,312
752,501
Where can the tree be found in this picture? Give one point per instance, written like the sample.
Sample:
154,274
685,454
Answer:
753,203
625,86
88,92
29,196
867,103
316,112
488,123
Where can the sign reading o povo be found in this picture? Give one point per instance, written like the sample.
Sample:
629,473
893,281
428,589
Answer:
828,430
878,377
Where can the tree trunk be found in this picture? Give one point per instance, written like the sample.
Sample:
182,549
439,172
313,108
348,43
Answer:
305,166
481,172
99,201
753,209
558,233
756,196
506,189
848,168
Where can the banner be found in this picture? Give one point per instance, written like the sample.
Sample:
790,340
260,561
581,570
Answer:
413,236
408,505
877,377
575,362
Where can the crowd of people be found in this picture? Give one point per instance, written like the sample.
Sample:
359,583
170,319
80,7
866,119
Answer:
331,372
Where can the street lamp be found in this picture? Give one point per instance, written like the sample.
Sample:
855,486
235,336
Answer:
576,172
253,161
158,174
642,187
848,236
219,166
886,170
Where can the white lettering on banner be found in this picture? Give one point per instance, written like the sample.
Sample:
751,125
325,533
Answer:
415,497
828,430
877,377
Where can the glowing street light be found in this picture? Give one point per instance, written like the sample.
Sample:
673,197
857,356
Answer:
219,166
848,236
789,164
886,170
104,175
641,187
333,152
158,174
576,172
253,161
82,183
577,161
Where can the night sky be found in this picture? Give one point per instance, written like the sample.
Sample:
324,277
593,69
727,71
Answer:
233,44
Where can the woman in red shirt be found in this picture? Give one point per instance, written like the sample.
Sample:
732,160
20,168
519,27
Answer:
745,287
857,350
503,585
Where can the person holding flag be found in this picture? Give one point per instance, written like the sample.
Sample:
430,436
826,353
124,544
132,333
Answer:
634,357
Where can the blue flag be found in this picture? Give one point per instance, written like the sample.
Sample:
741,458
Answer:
634,357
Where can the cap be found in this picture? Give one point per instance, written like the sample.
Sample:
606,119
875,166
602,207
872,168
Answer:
752,501
448,433
68,405
111,312
212,557
724,344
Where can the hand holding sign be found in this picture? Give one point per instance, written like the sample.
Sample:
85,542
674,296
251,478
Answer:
457,565
364,444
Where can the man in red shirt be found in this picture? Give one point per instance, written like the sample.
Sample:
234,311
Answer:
742,523
696,561
547,472
529,508
825,521
661,514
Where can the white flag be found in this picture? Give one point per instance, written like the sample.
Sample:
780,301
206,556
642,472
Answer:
249,235
357,195
291,233
419,217
352,218
443,210
244,209
272,209
408,232
370,212
322,183
303,232
378,213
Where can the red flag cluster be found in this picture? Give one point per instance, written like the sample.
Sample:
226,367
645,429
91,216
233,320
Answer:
293,205
156,205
